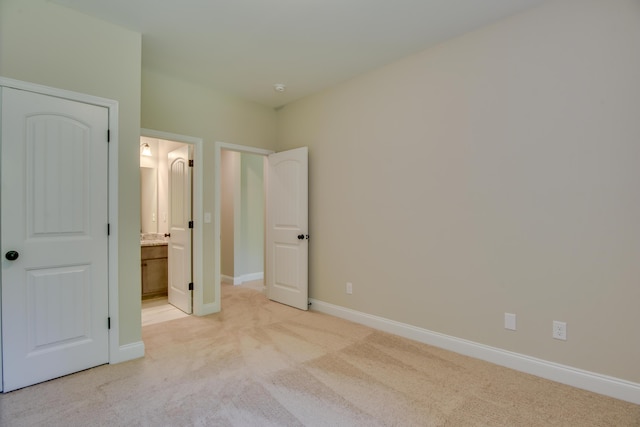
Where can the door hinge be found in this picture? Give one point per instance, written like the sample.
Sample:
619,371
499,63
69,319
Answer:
190,163
108,229
190,224
108,135
191,286
108,322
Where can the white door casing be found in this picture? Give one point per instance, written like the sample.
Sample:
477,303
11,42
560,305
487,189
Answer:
180,266
55,215
287,239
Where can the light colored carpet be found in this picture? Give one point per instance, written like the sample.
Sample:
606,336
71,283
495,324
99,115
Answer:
259,363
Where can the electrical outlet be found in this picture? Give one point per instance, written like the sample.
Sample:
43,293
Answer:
510,321
349,288
559,330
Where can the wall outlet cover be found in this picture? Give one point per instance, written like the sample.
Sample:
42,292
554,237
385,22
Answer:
510,321
559,330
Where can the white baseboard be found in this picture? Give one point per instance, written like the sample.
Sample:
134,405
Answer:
239,280
597,383
252,276
128,352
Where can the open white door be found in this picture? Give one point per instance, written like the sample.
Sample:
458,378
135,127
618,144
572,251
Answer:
287,245
180,271
54,237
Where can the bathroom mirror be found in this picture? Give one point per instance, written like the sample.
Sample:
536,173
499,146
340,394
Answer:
148,200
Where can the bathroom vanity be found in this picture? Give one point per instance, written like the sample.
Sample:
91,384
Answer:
154,269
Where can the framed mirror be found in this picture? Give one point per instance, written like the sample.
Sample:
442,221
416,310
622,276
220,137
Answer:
148,200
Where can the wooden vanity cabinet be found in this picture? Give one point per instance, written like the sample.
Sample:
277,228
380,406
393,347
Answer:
154,271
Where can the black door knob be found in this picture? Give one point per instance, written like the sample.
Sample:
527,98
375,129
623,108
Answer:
167,234
12,255
301,236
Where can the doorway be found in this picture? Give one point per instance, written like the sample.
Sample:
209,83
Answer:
235,150
177,248
242,216
286,224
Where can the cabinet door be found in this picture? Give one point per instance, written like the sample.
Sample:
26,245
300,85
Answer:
154,277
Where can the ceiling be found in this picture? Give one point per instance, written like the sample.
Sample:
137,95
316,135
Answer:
244,47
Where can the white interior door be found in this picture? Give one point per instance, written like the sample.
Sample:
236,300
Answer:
180,271
54,220
287,237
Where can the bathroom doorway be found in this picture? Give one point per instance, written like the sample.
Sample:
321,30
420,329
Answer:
170,240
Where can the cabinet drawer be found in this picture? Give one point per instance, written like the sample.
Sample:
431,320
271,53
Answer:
153,252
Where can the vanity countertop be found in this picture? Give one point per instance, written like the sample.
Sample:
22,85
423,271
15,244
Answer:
152,239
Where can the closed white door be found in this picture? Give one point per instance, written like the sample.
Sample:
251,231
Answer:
54,237
180,271
287,228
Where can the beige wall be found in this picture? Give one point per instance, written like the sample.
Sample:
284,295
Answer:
47,44
172,105
497,172
229,189
242,214
252,215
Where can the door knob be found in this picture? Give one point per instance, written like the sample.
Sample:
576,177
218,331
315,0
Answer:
301,236
12,255
167,234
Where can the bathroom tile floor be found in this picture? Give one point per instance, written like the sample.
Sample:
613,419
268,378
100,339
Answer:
157,310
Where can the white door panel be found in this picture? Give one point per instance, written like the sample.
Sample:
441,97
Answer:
287,228
181,235
54,214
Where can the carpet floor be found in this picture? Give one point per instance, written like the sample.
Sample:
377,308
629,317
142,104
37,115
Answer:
259,363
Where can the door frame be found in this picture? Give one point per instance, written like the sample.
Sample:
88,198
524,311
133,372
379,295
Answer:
199,308
115,354
215,306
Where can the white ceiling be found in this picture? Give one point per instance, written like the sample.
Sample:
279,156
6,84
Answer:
244,47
